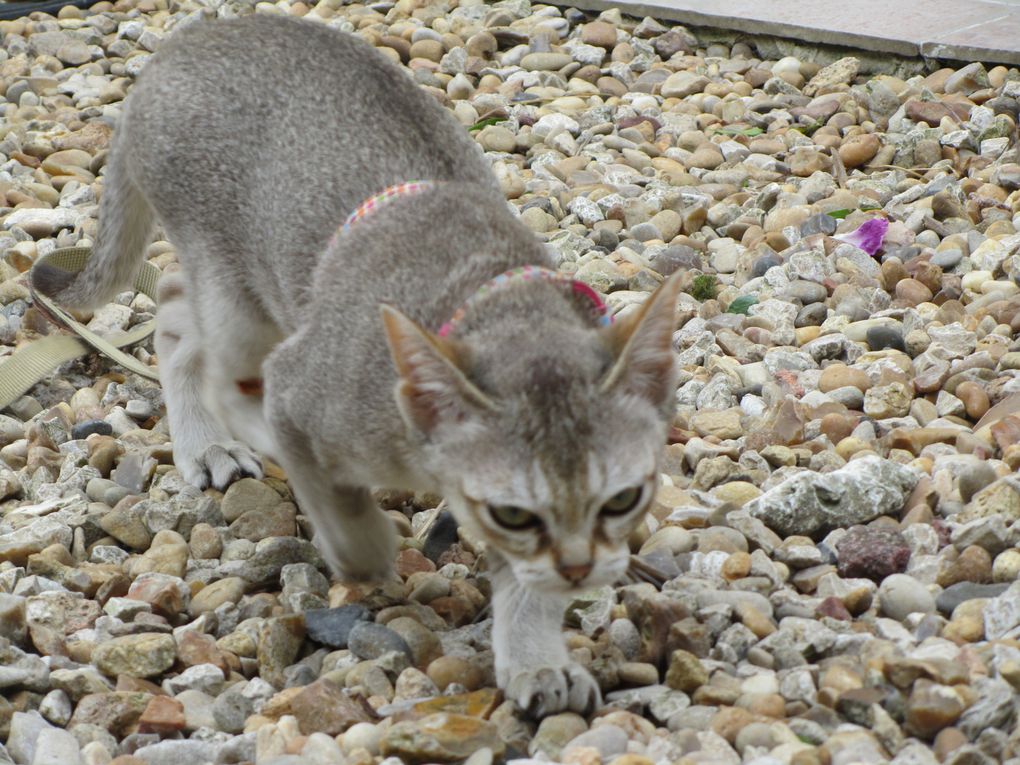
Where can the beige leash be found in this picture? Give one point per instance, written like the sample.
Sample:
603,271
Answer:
28,365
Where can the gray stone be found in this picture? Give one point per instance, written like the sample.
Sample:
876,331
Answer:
230,710
56,707
1002,614
901,595
57,747
995,707
177,752
202,677
248,494
973,478
609,740
332,626
989,532
12,618
263,568
811,504
368,640
23,740
955,594
34,537
819,224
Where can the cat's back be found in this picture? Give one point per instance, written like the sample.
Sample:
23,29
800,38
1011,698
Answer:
265,132
224,51
263,76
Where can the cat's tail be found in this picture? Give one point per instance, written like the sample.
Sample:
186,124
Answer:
125,225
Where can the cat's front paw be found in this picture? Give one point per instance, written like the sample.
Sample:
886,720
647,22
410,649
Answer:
548,690
219,465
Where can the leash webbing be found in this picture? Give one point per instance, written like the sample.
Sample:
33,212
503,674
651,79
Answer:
30,364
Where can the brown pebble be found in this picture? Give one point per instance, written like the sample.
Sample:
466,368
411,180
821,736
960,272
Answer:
756,620
809,757
837,376
892,272
686,672
927,273
965,628
430,50
932,707
859,149
452,669
411,561
632,759
974,398
737,566
766,704
599,33
163,715
912,292
947,741
729,721
638,673
973,565
836,426
399,44
833,608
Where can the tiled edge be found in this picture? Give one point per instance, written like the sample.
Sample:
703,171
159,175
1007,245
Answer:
932,49
997,37
955,52
666,11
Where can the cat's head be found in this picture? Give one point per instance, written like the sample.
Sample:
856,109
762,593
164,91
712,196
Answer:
547,447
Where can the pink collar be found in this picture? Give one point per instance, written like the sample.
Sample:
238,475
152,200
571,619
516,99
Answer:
599,311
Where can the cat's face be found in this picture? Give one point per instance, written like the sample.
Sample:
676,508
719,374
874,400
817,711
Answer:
557,498
548,451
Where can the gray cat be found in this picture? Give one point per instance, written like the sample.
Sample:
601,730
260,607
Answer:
380,353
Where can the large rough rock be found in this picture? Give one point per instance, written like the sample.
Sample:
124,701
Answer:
809,504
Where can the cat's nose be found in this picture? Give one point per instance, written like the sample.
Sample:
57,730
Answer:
575,574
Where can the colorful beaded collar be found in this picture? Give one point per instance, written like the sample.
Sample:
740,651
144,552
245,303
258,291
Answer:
599,311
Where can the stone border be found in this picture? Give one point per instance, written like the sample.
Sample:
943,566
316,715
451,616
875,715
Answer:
978,30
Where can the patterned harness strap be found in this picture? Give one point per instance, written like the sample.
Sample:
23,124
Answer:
599,311
375,202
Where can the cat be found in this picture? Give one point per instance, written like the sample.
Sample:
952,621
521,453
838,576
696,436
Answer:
425,344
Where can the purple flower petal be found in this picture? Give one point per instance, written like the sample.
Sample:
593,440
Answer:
868,236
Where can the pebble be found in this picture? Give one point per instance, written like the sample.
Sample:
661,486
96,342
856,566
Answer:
369,640
871,553
441,737
900,595
145,655
332,626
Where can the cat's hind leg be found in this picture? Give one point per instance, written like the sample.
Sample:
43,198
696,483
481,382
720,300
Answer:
204,451
356,538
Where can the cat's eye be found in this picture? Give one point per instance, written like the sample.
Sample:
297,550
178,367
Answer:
513,517
623,501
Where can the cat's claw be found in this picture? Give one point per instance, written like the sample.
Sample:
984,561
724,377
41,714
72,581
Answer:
220,465
549,690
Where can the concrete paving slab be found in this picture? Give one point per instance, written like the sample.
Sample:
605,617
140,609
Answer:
999,37
959,30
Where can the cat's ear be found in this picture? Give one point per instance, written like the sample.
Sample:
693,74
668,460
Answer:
432,389
642,344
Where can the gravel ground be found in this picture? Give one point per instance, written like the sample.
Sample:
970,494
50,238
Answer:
830,571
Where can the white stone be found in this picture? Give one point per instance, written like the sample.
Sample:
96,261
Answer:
57,747
54,219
